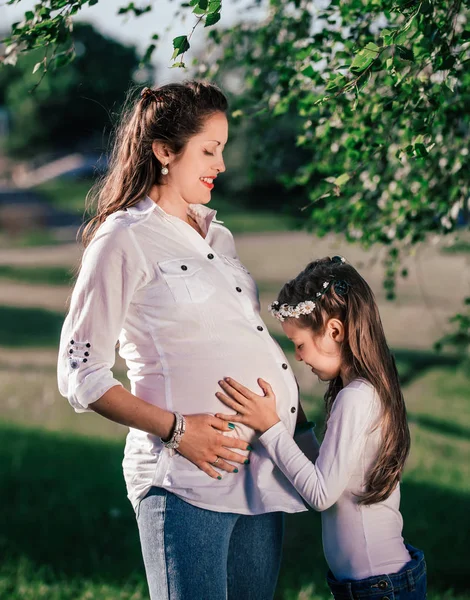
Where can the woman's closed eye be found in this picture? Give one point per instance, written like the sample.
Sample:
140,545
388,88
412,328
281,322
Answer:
299,347
207,153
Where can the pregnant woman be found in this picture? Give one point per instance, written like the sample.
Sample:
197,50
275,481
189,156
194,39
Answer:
161,275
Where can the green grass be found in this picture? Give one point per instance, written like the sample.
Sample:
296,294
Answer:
67,529
458,247
29,327
37,275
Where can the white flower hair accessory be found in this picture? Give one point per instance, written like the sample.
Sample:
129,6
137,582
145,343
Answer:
284,311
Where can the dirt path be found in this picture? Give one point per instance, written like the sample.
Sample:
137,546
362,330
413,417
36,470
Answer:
65,255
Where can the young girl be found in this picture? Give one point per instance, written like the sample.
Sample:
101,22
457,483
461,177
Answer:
329,312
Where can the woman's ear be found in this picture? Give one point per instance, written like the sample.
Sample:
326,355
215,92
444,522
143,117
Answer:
162,152
335,329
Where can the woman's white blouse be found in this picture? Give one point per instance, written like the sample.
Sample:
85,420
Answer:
186,314
359,541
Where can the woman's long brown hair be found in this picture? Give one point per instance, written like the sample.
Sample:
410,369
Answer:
366,355
172,113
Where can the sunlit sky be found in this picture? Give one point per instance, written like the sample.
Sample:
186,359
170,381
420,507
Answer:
138,31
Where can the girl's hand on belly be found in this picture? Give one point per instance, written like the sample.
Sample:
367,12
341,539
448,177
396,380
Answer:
258,412
204,446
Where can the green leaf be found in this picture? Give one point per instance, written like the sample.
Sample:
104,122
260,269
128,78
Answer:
342,179
388,36
373,47
308,71
405,53
214,6
336,82
281,107
364,58
360,63
212,19
420,150
180,45
448,62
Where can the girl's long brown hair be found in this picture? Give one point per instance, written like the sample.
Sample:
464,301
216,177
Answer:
172,113
366,355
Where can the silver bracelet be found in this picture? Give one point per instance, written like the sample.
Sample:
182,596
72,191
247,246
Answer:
178,432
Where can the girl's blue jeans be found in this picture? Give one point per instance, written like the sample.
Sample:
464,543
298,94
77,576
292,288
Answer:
408,584
195,554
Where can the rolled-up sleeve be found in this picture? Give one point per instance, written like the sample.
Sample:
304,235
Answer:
113,268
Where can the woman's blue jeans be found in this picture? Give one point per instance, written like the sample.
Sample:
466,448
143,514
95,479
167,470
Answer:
195,554
408,584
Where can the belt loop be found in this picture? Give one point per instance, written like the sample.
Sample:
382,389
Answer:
411,580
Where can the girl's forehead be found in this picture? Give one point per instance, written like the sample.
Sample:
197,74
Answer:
291,329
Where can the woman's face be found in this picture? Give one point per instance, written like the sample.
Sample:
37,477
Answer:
192,174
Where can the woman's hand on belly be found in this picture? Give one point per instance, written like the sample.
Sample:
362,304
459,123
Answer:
258,412
204,446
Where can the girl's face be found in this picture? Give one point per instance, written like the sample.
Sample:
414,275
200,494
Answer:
192,173
320,352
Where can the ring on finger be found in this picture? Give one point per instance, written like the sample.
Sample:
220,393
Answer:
215,461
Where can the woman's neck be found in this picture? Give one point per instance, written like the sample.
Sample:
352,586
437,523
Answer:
169,201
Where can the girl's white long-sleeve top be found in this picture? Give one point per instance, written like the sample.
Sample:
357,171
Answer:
359,541
186,314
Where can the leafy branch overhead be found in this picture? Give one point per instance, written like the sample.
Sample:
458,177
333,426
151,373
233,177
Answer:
378,93
205,10
49,25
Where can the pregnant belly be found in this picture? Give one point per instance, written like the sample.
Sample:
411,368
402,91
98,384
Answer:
189,387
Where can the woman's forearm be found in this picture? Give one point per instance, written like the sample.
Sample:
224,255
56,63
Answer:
202,442
122,407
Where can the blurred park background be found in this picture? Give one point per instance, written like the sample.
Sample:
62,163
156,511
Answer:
67,531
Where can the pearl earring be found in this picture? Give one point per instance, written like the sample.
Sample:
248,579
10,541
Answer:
164,170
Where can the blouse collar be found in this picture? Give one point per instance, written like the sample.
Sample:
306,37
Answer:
203,215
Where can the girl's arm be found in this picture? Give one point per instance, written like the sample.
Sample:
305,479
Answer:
304,434
320,483
113,269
